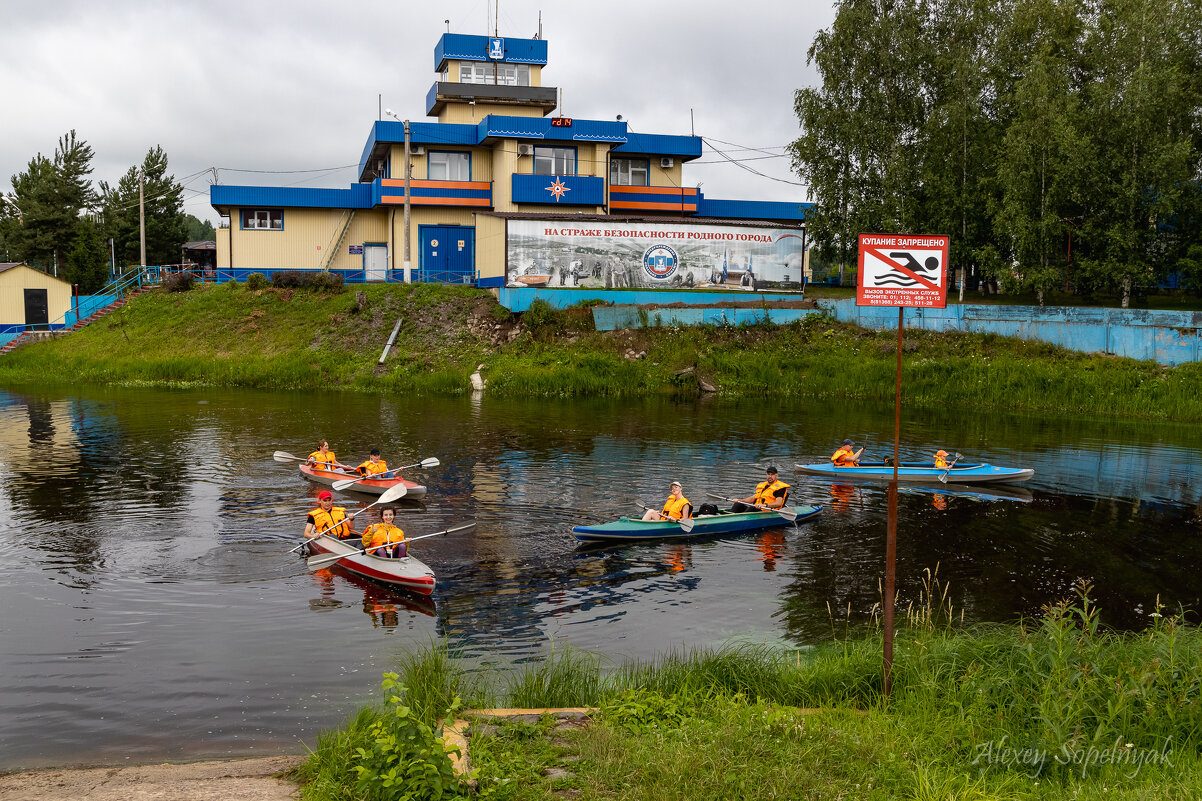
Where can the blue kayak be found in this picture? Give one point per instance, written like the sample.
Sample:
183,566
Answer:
628,529
921,472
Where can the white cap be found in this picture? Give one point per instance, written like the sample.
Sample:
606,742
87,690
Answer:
676,484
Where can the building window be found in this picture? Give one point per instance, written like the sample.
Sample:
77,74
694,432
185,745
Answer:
628,172
263,219
449,166
492,72
554,161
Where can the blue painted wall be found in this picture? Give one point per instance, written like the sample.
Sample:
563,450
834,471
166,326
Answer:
519,300
613,318
1168,337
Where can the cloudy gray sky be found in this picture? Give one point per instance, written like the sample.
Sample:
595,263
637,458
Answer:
290,89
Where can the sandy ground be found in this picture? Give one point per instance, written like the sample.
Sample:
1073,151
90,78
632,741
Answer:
240,780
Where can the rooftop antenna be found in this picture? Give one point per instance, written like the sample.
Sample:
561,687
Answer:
496,27
540,23
448,22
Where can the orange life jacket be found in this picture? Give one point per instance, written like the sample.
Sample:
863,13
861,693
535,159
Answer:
676,508
333,522
941,462
325,461
382,533
843,457
370,468
766,492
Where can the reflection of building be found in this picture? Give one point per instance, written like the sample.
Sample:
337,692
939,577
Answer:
493,157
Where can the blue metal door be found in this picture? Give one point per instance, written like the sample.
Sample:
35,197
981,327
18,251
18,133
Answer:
448,254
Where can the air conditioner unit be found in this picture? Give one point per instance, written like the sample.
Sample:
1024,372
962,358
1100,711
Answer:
525,150
417,150
666,162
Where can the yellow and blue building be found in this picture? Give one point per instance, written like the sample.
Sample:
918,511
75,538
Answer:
501,192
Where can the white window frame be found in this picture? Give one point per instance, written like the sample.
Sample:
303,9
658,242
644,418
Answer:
482,72
554,160
627,172
440,163
263,219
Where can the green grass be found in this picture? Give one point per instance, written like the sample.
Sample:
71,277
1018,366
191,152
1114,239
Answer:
1053,708
270,339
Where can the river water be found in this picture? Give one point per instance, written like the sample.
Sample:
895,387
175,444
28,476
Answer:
151,610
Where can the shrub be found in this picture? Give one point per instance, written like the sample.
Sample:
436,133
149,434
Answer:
177,282
256,281
545,320
405,759
325,282
287,279
314,280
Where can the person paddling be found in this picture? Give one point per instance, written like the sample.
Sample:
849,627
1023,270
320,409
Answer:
374,466
771,492
328,519
941,460
844,457
323,458
385,538
677,507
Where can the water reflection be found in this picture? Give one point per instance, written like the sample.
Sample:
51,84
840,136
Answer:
149,535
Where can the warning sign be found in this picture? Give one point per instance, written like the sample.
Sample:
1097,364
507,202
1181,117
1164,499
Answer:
902,270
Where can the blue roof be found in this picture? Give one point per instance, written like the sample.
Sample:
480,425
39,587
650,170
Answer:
495,125
357,197
683,147
752,209
420,133
467,47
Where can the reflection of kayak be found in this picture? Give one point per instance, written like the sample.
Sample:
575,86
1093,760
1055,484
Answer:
921,472
377,597
408,573
374,486
993,493
630,529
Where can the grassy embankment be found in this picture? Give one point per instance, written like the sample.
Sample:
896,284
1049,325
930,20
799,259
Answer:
230,336
1053,709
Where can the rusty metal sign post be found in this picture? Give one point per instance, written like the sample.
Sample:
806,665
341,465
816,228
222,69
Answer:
899,270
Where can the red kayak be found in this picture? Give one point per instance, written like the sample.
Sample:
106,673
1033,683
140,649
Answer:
375,486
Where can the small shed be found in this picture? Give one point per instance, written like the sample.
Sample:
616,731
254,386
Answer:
29,298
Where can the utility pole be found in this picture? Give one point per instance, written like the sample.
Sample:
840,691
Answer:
142,214
408,172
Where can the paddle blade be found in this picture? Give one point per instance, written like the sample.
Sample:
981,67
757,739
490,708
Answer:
348,482
431,462
787,514
392,493
284,456
686,524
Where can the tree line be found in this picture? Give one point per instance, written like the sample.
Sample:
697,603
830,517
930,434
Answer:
1058,142
54,219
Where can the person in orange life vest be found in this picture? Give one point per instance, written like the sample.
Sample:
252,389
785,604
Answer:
374,466
323,458
676,507
328,519
941,460
384,538
844,456
771,492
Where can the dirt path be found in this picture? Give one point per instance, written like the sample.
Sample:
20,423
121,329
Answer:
240,780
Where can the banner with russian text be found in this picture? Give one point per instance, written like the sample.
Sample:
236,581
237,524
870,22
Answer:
553,254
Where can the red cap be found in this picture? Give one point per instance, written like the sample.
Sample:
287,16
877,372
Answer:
324,495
